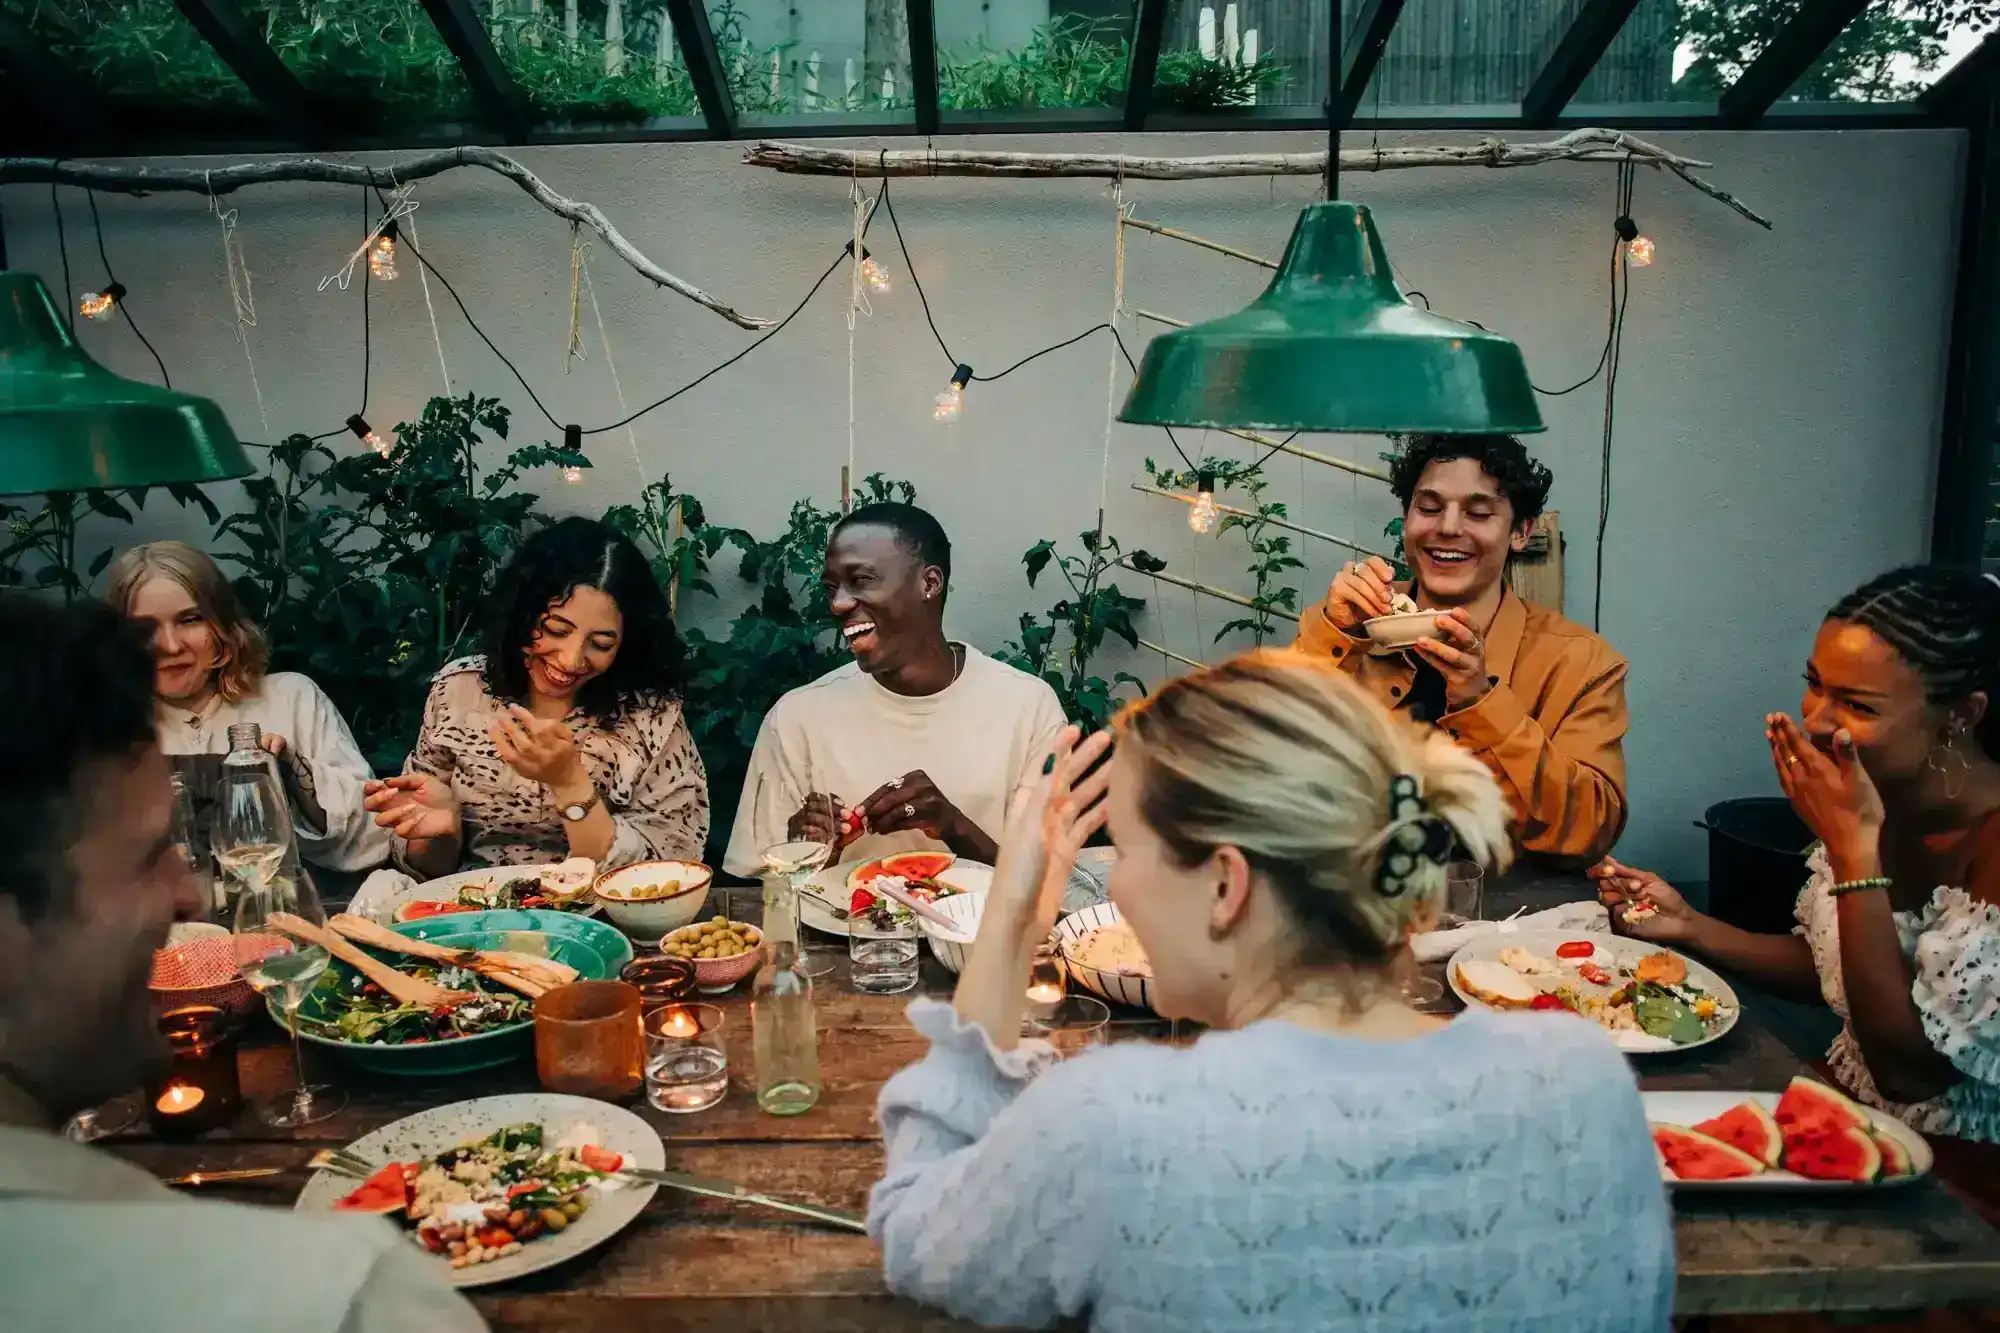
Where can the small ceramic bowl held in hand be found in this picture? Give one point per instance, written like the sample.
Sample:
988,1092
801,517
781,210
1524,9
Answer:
723,952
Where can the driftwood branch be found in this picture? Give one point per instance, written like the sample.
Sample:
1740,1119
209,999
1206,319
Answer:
142,179
1584,145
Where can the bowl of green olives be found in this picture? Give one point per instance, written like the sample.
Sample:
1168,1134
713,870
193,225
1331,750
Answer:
723,951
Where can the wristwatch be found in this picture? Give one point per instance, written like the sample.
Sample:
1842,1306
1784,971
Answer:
576,812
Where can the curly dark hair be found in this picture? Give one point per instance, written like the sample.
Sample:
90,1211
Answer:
552,564
1945,623
1523,481
78,681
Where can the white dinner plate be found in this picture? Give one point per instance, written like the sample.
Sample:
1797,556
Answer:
613,1204
378,904
1688,1109
831,884
1626,952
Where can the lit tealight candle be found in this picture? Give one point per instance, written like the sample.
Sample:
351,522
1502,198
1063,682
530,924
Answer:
680,1022
1043,997
179,1099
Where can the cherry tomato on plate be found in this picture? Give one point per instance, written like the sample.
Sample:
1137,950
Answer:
1575,949
1548,1002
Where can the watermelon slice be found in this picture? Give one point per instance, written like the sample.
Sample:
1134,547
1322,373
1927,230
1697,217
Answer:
1895,1157
1838,1154
864,872
1690,1155
1747,1126
387,1191
1812,1108
422,908
914,866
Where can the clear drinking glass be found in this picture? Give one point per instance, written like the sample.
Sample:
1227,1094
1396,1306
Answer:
687,1065
882,948
1464,894
276,963
1076,1024
101,1122
796,863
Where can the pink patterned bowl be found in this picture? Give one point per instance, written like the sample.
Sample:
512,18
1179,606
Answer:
204,971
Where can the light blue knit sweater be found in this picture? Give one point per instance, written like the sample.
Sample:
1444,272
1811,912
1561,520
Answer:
1496,1174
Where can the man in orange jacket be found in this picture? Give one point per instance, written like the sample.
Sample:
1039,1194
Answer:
1539,699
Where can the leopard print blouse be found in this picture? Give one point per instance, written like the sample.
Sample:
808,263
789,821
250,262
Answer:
646,768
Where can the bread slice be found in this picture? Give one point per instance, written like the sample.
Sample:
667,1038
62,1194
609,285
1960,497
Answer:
1496,984
572,879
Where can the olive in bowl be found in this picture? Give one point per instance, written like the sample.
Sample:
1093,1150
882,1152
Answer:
723,951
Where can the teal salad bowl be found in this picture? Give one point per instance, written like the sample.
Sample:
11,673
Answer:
597,951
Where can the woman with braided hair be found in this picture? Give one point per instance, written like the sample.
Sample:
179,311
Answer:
1325,1157
1895,766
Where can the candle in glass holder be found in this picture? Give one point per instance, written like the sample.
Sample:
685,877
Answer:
687,1066
202,1089
679,1022
1045,985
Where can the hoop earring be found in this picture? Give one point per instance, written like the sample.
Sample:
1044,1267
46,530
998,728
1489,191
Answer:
1957,768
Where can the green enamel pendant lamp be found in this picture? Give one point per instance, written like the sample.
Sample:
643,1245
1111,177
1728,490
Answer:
68,424
1332,345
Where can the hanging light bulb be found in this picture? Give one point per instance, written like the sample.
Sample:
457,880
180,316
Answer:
573,442
99,305
952,400
1638,249
382,253
366,434
1202,514
572,475
872,273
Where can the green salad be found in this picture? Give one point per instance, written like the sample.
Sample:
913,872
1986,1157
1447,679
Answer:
353,1009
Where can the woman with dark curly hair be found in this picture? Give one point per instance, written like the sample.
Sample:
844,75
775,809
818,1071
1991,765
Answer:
1540,700
566,738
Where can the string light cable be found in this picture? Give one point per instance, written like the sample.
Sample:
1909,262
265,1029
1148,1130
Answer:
99,305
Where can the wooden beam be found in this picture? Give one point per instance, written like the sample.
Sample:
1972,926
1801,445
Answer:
51,86
1364,56
1790,54
706,71
1149,29
492,86
1965,82
923,63
1582,44
237,42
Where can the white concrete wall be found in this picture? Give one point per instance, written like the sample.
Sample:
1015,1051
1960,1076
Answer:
1777,412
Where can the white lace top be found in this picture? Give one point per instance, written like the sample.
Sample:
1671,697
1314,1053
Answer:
1953,946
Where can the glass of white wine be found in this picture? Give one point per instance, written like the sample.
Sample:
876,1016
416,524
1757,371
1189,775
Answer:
253,837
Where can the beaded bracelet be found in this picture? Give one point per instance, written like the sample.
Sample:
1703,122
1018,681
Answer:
1860,885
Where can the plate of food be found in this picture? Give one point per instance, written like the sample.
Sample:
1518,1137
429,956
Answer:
451,993
1401,628
1100,950
550,888
499,1187
926,875
1810,1136
1648,998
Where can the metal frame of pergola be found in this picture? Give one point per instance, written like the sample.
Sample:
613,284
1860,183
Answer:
54,113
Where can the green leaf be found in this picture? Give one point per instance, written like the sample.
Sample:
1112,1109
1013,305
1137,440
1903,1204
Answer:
1037,559
1145,562
1660,1013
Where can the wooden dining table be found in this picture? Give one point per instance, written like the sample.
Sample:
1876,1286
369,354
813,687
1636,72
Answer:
697,1263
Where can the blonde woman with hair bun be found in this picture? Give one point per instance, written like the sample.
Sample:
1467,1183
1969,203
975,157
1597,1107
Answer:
209,673
1324,1157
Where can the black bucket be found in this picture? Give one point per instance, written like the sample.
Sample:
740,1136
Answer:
1756,862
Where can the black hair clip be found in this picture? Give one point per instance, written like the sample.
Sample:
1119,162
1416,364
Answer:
1417,836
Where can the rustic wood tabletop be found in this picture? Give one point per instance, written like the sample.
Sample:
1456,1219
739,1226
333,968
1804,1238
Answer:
692,1263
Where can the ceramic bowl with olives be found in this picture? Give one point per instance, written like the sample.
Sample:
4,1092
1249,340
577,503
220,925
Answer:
723,951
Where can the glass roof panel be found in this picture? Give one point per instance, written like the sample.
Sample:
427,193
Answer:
1010,58
1638,66
368,62
140,56
1244,53
1462,53
1717,40
815,58
1892,51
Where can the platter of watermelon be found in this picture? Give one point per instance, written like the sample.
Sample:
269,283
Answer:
1810,1136
925,875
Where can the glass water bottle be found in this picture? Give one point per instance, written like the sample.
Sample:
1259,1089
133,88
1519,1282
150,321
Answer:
781,1004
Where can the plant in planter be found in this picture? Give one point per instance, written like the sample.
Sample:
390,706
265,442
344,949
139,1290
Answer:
1058,645
373,591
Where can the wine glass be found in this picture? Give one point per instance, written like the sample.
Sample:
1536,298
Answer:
101,1122
276,963
253,833
796,863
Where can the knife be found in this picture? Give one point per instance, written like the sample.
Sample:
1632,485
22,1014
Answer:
221,1177
721,1189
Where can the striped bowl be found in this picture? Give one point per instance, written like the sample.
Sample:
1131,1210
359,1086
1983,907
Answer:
1116,987
951,947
